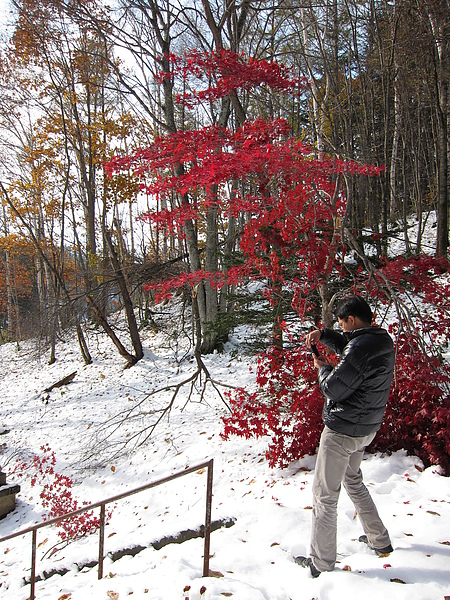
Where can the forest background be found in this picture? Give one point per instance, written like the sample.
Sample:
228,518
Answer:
253,158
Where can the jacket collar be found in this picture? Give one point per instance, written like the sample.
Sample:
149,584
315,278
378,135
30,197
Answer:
350,335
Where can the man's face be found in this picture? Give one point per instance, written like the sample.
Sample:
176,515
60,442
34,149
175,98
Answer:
347,324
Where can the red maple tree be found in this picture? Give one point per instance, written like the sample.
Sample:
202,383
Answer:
294,238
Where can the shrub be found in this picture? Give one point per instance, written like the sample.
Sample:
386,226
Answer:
287,405
417,417
57,498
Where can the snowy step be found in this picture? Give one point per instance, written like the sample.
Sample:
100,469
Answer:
178,538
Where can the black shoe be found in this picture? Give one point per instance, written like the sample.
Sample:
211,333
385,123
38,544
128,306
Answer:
307,563
379,551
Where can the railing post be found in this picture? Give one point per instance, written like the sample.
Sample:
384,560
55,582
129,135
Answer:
33,565
101,544
209,488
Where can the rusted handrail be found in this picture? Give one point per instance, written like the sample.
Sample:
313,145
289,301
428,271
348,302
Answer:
102,504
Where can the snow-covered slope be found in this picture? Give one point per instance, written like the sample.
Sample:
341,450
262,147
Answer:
253,559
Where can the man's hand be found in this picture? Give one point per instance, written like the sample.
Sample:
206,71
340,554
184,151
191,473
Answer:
311,338
319,362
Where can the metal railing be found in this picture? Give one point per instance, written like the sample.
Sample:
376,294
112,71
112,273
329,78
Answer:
102,504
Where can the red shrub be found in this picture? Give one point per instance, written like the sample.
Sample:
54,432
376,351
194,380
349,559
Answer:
56,496
287,407
418,414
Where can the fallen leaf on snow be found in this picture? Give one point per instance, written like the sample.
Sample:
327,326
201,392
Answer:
215,573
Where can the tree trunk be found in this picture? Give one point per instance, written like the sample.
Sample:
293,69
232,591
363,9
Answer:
131,360
439,19
9,299
128,303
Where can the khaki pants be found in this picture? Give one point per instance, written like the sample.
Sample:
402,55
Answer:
338,461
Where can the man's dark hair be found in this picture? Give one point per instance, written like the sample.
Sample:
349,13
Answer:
355,306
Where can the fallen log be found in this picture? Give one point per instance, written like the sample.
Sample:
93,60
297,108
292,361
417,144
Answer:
63,381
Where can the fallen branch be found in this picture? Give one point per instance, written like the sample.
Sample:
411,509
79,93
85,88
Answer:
107,442
65,380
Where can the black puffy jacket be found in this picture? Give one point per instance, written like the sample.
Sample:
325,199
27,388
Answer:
357,389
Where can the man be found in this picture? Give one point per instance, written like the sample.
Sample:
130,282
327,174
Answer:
356,391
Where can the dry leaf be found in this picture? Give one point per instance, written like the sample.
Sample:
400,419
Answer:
65,596
113,468
397,580
43,542
112,595
431,512
215,573
346,568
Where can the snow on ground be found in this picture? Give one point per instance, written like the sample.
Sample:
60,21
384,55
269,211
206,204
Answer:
271,507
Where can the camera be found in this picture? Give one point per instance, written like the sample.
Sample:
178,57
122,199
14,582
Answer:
314,349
